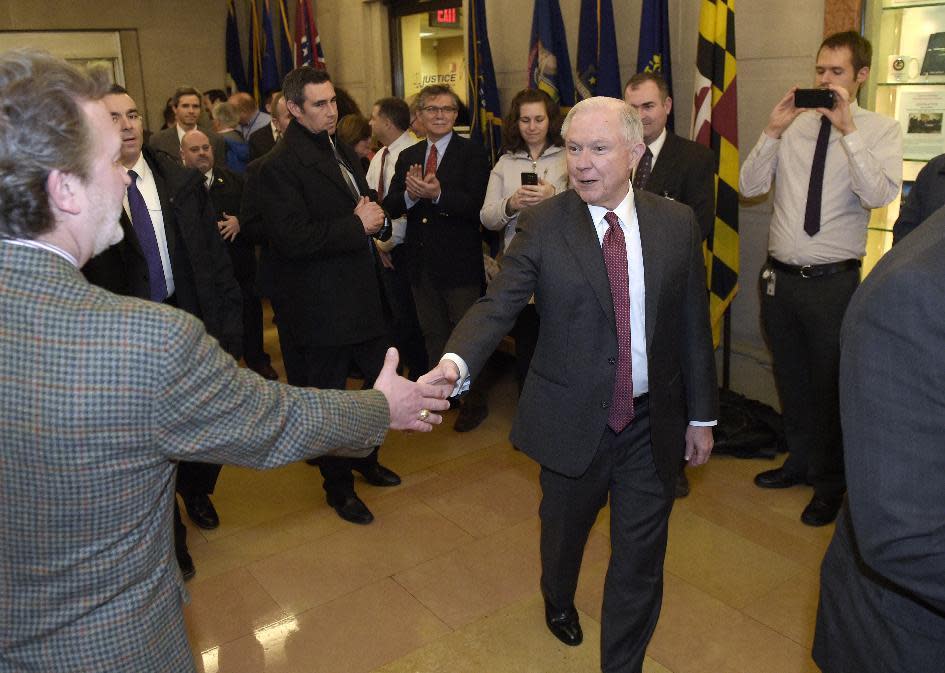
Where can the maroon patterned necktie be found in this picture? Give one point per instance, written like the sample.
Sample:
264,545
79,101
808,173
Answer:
430,168
380,179
615,258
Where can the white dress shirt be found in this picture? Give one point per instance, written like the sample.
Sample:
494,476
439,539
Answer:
863,170
149,192
398,226
655,147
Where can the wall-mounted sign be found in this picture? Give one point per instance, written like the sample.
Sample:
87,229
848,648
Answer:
445,18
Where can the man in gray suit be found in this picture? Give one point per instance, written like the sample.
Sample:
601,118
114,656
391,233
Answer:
100,394
186,104
882,593
622,384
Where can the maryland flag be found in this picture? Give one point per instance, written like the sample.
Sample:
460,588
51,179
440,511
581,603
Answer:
486,123
715,125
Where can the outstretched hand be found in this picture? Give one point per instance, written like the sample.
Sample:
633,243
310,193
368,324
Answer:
445,373
412,405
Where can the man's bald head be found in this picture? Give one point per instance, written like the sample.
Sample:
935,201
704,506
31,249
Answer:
196,151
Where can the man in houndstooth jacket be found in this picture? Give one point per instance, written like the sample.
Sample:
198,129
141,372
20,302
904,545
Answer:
101,394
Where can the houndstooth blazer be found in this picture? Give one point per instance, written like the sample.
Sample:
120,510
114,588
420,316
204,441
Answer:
99,395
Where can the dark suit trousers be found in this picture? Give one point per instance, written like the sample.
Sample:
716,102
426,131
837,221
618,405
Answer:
640,503
802,323
402,315
327,367
439,309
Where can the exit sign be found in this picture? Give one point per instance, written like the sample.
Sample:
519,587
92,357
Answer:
445,18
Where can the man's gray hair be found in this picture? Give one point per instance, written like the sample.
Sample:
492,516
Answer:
226,114
632,126
42,129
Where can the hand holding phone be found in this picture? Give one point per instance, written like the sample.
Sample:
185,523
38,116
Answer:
529,178
814,98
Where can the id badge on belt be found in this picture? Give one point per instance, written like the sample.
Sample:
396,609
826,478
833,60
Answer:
769,278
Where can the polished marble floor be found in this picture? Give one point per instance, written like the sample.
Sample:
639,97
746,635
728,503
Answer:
446,578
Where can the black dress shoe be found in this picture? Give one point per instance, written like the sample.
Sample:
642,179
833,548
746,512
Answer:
186,565
564,625
821,510
201,511
778,478
351,508
378,475
470,416
267,372
682,484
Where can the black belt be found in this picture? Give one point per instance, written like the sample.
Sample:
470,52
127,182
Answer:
814,270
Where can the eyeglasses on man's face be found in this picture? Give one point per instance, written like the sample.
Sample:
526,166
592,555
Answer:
434,110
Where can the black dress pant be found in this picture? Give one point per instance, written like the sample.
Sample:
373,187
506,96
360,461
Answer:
802,323
640,502
439,310
327,367
243,259
401,315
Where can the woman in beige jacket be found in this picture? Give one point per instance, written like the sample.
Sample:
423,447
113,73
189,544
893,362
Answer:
531,169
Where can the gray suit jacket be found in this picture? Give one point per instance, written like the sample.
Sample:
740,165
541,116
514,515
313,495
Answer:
882,605
166,141
562,412
99,394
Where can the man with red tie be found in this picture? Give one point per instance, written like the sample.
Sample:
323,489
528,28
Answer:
622,385
440,184
390,121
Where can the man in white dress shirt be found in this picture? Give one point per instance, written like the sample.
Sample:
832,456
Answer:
831,166
390,121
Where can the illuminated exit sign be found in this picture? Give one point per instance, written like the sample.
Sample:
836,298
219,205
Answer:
445,18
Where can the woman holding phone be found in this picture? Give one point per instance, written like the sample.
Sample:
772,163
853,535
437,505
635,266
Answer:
531,169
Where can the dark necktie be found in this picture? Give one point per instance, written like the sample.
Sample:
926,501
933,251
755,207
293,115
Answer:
380,178
815,190
615,259
144,230
345,172
644,169
430,168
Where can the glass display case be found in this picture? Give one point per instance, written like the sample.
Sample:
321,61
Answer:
907,82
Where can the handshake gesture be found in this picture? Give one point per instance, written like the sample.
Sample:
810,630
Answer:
413,406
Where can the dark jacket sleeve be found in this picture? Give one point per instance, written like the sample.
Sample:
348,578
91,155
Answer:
920,203
700,190
394,202
466,196
288,217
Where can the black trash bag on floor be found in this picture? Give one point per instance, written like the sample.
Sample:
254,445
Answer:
747,428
